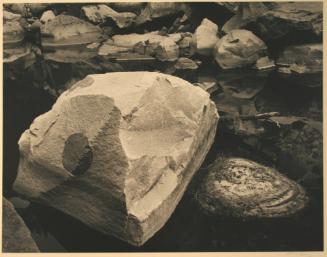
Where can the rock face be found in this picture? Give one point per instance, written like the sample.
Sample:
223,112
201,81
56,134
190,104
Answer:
47,16
13,32
243,188
238,48
16,238
205,37
100,13
121,147
291,18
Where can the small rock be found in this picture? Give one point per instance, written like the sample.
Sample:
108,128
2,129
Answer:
239,48
245,189
185,45
205,37
264,63
101,13
16,238
47,16
185,64
150,133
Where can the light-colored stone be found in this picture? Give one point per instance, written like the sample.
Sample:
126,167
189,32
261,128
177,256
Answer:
243,188
13,33
9,16
264,63
47,16
186,64
16,238
68,30
239,48
163,48
101,13
118,150
205,37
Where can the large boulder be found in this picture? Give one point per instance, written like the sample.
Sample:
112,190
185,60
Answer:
243,188
205,37
239,48
16,238
118,150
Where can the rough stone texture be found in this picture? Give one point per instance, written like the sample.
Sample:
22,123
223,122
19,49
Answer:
301,65
154,10
47,16
16,238
101,13
13,32
122,147
243,188
127,6
205,37
8,16
35,9
68,30
239,48
301,59
246,13
289,18
264,63
164,48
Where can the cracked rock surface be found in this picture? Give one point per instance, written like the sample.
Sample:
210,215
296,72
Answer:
120,146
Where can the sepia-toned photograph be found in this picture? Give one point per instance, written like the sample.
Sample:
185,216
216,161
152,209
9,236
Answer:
162,127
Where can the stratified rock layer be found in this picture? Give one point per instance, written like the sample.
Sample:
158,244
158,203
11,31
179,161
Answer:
117,151
243,188
16,238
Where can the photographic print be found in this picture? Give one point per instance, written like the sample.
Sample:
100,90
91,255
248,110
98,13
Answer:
162,127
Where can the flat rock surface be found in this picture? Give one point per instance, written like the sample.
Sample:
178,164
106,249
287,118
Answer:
150,133
16,238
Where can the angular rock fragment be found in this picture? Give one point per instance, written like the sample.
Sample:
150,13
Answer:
302,64
186,64
243,188
16,238
239,48
101,13
264,63
121,147
205,37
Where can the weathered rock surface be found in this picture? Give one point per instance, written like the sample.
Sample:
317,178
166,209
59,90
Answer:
117,151
291,18
154,10
68,30
47,16
301,59
101,13
302,65
16,238
127,6
245,14
164,48
243,188
239,48
8,16
13,32
205,37
34,9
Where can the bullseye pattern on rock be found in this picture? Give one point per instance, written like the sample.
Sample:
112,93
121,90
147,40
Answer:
120,146
243,188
